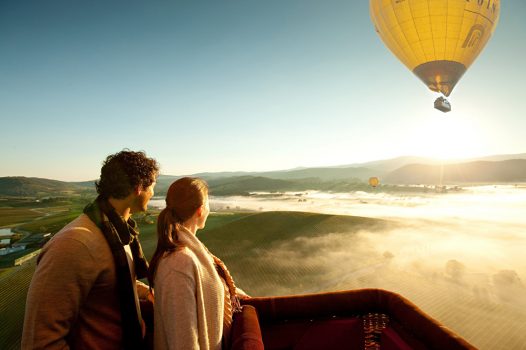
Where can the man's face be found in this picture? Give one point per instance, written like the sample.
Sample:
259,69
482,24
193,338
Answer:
141,201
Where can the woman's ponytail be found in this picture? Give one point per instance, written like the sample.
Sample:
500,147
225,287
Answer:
167,240
183,198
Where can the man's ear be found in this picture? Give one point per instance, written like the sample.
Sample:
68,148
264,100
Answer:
138,190
199,211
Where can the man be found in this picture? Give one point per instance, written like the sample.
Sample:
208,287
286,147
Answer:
85,293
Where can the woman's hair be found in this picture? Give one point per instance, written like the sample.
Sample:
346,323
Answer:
122,172
183,199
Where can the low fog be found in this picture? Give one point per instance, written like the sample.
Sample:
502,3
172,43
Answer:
460,256
482,227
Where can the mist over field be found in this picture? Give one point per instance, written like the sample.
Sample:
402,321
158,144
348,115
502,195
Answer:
475,236
458,255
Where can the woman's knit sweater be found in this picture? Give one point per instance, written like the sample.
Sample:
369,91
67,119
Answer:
189,298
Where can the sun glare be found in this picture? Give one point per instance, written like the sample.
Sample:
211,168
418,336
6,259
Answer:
446,137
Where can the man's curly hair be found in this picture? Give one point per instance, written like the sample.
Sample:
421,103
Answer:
122,172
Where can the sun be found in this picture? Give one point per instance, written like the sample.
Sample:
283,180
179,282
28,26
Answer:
446,137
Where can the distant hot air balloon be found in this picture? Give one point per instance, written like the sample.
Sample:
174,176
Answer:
436,39
374,181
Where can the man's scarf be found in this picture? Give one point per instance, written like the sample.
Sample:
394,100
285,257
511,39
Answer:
119,233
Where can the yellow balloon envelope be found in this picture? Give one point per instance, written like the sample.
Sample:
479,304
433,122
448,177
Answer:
374,181
436,39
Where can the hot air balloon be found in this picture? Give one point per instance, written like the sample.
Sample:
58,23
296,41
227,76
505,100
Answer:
436,39
374,181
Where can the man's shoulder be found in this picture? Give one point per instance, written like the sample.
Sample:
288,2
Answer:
83,231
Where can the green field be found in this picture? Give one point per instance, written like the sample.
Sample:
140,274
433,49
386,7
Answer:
12,216
14,284
52,223
32,214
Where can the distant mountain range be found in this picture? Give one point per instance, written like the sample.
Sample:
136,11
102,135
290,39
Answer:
397,171
506,171
389,165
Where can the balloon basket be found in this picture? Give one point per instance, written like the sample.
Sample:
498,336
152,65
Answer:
442,104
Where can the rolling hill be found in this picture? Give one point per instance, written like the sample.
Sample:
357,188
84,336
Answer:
32,186
473,172
324,174
242,185
388,165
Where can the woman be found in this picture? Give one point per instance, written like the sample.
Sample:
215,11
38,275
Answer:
195,296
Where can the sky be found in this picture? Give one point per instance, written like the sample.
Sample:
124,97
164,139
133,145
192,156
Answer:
236,85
